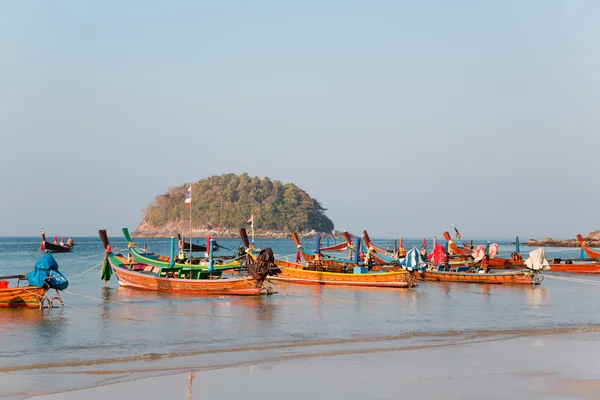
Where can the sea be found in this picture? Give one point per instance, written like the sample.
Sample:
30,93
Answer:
437,340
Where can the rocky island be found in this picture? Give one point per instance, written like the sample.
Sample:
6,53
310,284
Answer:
592,239
221,204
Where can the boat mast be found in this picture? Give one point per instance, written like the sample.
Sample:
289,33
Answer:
190,225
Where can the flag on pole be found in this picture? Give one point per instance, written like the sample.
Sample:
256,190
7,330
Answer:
251,221
456,233
188,197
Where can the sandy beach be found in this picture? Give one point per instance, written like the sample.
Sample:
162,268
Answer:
549,367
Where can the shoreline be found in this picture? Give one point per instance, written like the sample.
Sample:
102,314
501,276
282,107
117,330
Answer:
552,366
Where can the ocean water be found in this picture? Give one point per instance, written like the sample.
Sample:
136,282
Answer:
107,334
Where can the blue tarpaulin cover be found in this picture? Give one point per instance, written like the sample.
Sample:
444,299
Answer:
46,272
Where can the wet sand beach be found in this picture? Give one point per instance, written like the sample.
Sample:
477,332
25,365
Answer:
555,366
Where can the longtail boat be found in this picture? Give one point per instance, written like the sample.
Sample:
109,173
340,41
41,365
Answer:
590,252
378,255
20,296
44,277
340,246
470,274
517,277
186,245
177,278
575,266
145,257
515,262
326,260
321,275
55,247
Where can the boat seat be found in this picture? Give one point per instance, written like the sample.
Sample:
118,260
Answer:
464,268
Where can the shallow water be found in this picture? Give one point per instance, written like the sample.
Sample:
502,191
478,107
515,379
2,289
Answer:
108,334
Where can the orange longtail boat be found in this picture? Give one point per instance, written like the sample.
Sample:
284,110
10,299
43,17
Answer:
285,271
457,274
131,273
20,297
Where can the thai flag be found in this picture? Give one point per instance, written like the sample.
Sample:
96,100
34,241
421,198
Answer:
188,197
250,221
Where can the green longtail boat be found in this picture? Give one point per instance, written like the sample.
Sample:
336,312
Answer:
146,257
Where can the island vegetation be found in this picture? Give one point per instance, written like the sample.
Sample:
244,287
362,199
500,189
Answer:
224,203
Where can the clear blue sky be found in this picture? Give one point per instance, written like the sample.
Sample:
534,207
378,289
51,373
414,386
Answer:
400,117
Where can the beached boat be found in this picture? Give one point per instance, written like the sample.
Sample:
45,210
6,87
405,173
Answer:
176,278
595,254
350,275
347,245
43,278
575,266
462,253
298,273
145,257
21,297
323,259
55,247
516,277
469,274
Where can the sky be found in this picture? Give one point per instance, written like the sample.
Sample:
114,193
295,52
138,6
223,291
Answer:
400,117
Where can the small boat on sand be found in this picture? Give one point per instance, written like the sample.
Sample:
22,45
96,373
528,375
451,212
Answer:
43,278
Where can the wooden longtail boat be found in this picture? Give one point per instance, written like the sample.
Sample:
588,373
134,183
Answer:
20,297
379,256
340,246
50,247
186,245
575,266
520,277
174,278
309,257
297,273
463,253
310,275
590,252
145,257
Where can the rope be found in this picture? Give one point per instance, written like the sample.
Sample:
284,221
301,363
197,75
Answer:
576,280
85,272
81,258
147,307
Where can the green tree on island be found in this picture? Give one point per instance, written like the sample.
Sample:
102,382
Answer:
227,201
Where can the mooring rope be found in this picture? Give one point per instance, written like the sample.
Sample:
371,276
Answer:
84,272
81,258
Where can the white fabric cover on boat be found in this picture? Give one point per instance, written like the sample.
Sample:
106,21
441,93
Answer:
537,260
493,250
478,253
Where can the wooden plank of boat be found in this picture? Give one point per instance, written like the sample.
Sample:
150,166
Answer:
517,277
574,267
297,273
22,297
